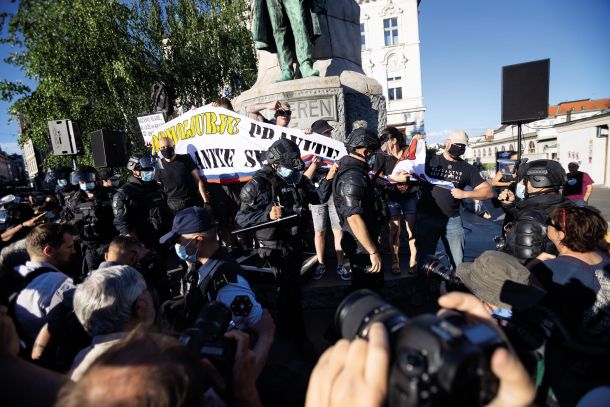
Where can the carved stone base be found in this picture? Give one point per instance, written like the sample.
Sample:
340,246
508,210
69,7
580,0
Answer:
338,99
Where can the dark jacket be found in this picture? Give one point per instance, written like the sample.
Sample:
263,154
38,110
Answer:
355,193
266,189
141,207
93,217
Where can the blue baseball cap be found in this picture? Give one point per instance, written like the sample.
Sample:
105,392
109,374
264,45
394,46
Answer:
189,220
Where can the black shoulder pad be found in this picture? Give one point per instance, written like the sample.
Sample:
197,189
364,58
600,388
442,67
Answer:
251,190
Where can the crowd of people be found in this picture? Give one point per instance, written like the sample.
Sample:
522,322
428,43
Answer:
90,316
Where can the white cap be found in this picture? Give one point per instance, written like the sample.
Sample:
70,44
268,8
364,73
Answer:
458,137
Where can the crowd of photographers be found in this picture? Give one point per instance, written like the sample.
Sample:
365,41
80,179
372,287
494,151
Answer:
89,314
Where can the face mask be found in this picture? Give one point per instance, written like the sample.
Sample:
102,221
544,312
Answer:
49,215
182,253
168,152
372,159
520,191
289,175
457,150
148,176
62,183
87,186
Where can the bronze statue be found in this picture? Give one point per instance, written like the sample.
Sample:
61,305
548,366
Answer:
288,27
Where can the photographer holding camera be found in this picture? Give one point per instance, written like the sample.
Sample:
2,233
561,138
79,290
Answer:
536,194
358,373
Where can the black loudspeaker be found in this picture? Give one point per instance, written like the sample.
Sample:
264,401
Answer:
109,148
525,92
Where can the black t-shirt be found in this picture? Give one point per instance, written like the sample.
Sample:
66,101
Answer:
177,178
395,192
436,200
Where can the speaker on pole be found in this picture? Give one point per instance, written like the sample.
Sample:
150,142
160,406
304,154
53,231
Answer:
109,148
65,137
525,92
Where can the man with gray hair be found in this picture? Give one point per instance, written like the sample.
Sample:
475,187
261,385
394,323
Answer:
109,304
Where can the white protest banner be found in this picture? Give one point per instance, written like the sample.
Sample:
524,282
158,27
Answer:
228,147
417,167
149,124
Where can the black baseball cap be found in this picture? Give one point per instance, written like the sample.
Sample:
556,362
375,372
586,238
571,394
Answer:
189,220
321,126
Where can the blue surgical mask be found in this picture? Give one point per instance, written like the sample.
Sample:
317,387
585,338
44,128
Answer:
289,175
87,186
49,215
372,159
62,183
520,191
148,176
182,253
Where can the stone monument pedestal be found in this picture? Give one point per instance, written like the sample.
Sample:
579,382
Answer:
338,99
342,93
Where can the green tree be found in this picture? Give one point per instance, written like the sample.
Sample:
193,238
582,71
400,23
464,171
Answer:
95,61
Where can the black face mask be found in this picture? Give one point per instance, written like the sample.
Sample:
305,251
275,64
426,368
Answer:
457,150
167,152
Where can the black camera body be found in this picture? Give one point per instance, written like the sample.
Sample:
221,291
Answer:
432,267
436,361
206,336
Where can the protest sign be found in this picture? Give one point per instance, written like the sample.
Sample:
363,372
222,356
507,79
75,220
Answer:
228,147
149,124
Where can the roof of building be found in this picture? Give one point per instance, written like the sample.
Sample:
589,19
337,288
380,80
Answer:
579,106
584,119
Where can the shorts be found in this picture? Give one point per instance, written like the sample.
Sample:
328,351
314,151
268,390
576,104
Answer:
320,214
407,206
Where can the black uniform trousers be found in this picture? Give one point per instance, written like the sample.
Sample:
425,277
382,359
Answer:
286,260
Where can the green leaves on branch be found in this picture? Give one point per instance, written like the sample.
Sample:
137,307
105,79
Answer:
95,61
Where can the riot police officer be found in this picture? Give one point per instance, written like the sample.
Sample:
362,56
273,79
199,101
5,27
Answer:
361,209
274,192
110,181
58,182
92,214
537,192
139,206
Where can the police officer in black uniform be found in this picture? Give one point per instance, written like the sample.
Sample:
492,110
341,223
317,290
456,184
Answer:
139,205
274,192
110,181
140,210
91,209
58,181
537,192
361,209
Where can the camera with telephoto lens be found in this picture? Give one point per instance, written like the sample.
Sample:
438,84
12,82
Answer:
206,336
433,267
435,361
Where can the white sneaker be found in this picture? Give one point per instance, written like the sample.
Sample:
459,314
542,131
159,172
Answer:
343,273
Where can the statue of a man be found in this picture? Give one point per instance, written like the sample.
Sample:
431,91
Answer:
288,27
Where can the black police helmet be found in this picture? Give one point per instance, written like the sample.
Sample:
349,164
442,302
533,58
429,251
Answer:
84,173
139,162
61,172
542,173
285,152
360,138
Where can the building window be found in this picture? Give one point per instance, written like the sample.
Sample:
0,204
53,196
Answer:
531,147
390,31
394,88
496,149
503,148
484,153
510,148
490,152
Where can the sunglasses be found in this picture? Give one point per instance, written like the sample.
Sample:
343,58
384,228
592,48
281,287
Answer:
286,113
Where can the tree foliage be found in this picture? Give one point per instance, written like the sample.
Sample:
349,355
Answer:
95,61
